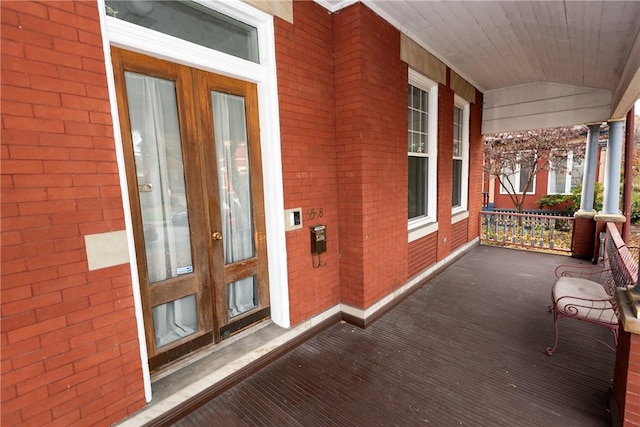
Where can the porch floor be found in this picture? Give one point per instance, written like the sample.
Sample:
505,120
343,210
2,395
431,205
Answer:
467,348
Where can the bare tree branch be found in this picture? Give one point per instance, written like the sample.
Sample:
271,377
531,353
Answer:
532,151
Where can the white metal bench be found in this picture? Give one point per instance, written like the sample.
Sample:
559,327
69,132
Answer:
587,293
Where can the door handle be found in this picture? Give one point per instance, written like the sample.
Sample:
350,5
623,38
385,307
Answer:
216,235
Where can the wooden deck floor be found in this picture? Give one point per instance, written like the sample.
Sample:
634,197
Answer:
467,348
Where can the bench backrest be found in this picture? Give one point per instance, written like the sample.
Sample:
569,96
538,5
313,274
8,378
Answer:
622,269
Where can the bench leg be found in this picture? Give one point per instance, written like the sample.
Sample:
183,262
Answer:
550,350
556,339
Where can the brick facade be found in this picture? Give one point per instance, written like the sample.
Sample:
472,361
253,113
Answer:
422,254
476,159
371,119
70,346
626,380
459,232
445,168
70,350
307,115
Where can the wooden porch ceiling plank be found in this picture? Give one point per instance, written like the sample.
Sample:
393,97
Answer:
518,15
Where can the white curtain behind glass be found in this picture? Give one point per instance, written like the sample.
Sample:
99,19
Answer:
235,193
159,168
558,175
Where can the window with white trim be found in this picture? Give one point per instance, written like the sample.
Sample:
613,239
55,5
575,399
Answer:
459,195
422,149
565,174
517,179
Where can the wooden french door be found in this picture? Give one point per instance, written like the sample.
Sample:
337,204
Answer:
192,152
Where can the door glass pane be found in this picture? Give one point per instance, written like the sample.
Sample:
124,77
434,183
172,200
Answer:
191,22
175,320
243,296
232,158
160,174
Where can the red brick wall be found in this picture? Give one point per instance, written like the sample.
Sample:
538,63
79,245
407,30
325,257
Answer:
371,120
445,168
459,232
626,380
70,351
475,167
422,254
307,114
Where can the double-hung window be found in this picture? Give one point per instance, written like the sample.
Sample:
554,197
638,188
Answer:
516,180
565,174
422,149
460,188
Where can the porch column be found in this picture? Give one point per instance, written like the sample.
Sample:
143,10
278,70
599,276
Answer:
590,169
584,225
611,204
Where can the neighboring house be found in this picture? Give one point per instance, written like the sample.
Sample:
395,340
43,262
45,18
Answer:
145,175
563,176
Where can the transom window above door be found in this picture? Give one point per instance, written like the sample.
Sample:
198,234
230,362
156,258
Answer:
191,22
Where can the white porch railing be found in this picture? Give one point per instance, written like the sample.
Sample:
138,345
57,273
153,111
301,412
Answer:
530,231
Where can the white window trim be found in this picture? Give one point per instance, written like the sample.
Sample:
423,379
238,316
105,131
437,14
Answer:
418,80
459,217
516,172
139,39
568,172
465,106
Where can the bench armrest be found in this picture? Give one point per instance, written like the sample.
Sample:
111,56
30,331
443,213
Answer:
596,273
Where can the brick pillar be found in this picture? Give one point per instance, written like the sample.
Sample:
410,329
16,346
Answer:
584,229
371,155
625,405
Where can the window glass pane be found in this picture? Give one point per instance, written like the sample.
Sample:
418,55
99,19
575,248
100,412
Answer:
415,121
243,296
524,176
416,145
457,183
418,115
558,174
158,159
556,182
457,132
424,104
191,22
418,168
577,172
175,320
232,157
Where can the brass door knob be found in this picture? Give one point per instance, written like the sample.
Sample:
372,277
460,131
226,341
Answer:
216,235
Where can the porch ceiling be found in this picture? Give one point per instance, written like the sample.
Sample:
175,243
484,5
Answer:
538,63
